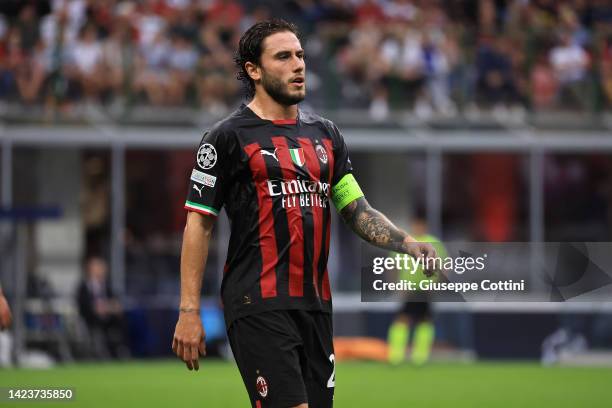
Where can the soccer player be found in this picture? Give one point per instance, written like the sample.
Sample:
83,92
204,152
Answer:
5,312
275,169
415,313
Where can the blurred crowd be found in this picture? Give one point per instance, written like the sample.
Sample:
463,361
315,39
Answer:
429,56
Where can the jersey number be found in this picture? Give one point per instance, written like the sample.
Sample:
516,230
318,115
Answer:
331,383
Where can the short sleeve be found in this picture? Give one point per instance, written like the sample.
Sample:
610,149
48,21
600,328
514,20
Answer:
209,176
345,188
342,162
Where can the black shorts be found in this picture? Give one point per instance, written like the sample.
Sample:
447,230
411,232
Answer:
285,357
417,311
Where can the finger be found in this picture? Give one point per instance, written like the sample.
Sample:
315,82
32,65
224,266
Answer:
187,357
179,350
194,357
174,344
430,252
202,347
196,364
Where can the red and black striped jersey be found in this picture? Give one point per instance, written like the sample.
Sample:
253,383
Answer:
274,179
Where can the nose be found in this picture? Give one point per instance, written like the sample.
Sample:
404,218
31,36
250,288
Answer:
299,64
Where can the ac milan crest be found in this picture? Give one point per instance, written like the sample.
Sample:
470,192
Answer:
321,153
262,386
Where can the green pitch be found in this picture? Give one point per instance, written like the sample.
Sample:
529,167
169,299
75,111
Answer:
217,385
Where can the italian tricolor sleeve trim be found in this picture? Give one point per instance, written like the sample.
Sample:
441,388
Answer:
190,205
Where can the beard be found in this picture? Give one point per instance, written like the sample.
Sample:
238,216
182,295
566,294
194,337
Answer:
279,91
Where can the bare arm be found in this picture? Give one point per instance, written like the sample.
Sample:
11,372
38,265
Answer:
194,253
373,227
5,312
188,342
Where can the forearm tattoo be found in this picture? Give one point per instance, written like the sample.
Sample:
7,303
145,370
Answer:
373,226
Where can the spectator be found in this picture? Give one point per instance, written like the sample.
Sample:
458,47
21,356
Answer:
28,27
86,68
182,62
369,11
149,24
403,57
544,85
5,312
216,90
570,62
401,10
225,14
440,54
13,64
151,70
606,71
495,83
116,52
99,308
358,75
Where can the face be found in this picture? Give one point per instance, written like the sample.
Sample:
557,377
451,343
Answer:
97,269
281,72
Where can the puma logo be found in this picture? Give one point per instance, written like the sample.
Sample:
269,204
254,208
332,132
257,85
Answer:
273,154
199,190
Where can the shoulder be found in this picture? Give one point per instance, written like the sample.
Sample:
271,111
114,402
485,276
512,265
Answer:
325,124
223,132
226,125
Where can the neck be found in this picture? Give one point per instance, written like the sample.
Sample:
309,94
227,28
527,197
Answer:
267,108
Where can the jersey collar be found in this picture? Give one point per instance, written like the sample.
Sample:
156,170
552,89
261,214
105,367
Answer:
278,122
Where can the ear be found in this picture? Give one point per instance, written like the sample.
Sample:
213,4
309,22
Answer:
253,71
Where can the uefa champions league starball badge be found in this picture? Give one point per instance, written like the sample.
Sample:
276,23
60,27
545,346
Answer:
207,156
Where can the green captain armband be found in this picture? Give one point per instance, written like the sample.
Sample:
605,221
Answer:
345,191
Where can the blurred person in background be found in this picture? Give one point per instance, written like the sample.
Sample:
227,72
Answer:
606,71
148,21
544,86
359,78
151,72
6,340
224,14
100,309
216,89
182,61
5,312
403,57
117,57
415,315
14,65
496,83
440,54
570,62
87,68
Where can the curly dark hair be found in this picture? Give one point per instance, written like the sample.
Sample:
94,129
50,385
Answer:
250,47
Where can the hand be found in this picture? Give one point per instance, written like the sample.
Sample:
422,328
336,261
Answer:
5,313
188,343
421,250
